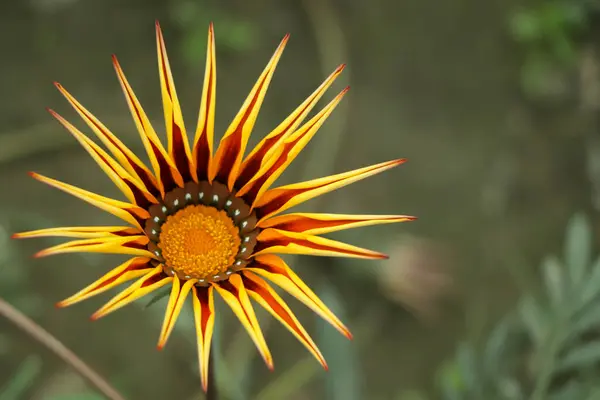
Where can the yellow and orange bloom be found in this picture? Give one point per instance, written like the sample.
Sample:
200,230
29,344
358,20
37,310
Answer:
206,222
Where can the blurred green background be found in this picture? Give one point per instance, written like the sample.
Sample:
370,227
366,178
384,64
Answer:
495,104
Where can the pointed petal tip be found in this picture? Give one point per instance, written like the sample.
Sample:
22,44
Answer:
39,254
60,304
15,236
211,26
157,24
32,174
160,346
411,218
95,316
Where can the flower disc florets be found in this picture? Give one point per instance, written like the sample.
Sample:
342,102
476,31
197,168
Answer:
201,231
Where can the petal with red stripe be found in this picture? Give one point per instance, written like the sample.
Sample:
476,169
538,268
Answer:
132,245
318,224
178,145
131,269
277,271
263,294
228,157
205,131
272,241
204,318
235,295
280,199
253,162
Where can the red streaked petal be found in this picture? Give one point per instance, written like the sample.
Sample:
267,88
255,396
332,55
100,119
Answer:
263,294
132,188
153,280
178,145
277,271
126,211
204,318
258,155
203,141
86,232
131,245
176,300
229,155
285,153
318,224
280,199
166,172
126,157
130,269
282,242
235,295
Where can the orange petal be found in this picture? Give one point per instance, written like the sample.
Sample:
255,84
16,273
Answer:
282,242
176,300
258,155
229,155
286,152
132,188
165,170
280,199
263,294
234,294
277,271
121,152
88,232
179,147
126,211
203,141
153,280
131,269
204,317
318,224
132,245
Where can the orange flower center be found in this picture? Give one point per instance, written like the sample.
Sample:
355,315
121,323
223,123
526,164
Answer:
199,242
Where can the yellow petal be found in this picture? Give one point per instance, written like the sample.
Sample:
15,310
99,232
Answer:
259,154
229,155
176,300
130,269
153,280
121,152
132,245
318,224
132,188
277,271
286,152
280,199
203,140
234,294
282,242
204,318
88,232
263,294
179,147
165,170
126,211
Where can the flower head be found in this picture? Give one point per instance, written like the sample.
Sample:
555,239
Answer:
205,222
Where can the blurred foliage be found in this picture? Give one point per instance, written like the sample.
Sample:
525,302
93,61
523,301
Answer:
235,33
549,35
548,347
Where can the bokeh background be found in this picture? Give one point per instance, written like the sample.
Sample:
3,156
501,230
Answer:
494,103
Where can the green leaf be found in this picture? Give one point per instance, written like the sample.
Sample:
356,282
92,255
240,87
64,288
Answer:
585,320
23,379
591,286
533,317
525,27
158,297
581,357
554,280
79,396
578,247
343,382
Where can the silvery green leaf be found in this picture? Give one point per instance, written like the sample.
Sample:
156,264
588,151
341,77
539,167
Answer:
590,289
583,356
554,280
494,351
22,379
534,318
344,380
587,319
450,382
578,247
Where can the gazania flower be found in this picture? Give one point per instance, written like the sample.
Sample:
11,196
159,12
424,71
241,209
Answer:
209,223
